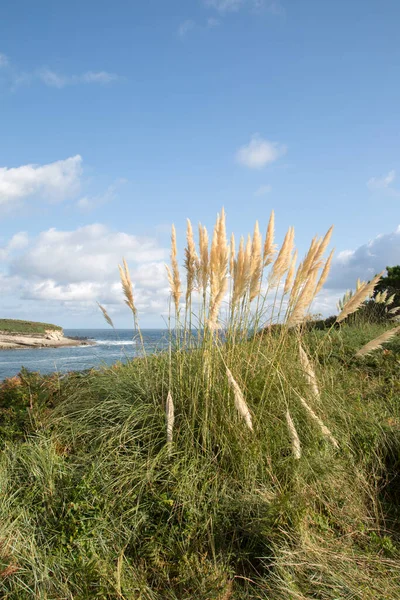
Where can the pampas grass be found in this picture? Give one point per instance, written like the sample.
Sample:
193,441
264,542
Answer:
106,315
170,416
269,246
301,304
283,259
290,274
191,261
309,371
365,290
296,446
127,287
255,264
324,274
173,273
324,429
377,342
240,402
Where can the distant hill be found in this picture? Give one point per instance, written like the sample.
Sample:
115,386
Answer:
28,327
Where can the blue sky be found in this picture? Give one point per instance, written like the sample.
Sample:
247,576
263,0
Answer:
120,118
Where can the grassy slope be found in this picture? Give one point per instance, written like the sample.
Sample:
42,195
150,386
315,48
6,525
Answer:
94,506
27,327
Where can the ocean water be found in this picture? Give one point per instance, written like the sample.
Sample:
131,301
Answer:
110,346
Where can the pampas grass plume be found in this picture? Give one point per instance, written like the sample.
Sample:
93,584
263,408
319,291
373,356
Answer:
240,402
106,315
377,342
309,371
364,291
269,246
170,415
324,430
296,446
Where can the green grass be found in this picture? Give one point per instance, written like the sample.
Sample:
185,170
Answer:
27,327
94,504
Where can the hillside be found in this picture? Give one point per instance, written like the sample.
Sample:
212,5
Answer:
96,504
26,327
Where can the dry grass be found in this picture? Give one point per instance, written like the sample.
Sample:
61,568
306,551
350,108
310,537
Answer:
378,341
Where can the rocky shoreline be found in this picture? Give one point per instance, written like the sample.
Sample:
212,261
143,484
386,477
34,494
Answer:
49,339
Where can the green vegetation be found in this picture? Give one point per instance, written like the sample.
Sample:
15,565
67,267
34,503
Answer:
27,327
245,466
93,504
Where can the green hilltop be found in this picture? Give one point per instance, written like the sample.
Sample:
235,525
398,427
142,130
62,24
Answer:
27,327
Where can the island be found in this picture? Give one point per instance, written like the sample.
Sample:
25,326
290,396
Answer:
17,334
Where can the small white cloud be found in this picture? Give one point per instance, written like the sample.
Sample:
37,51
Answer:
224,6
382,182
56,180
263,190
88,203
185,27
53,79
3,61
259,152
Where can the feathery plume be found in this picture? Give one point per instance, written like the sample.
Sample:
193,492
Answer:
290,275
106,315
309,371
127,286
324,274
203,248
232,256
308,261
377,342
239,275
325,431
255,264
269,246
282,261
170,414
174,277
240,402
390,300
214,263
218,270
364,291
296,447
321,248
191,261
303,301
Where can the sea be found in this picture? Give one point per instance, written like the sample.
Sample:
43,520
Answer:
110,346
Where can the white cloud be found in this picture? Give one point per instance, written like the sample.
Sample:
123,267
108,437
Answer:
263,190
17,78
3,61
56,180
224,6
259,152
365,261
88,203
185,27
383,183
90,253
53,79
75,269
